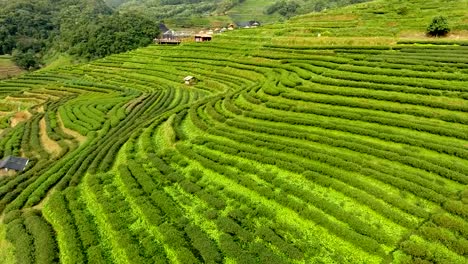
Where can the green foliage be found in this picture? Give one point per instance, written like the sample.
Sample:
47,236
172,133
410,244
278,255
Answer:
439,27
284,8
22,240
281,154
87,29
111,34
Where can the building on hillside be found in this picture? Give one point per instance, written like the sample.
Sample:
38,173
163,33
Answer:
249,24
169,34
167,41
255,24
173,37
14,163
203,37
163,28
190,80
168,37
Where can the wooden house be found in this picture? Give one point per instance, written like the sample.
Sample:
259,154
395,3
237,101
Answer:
168,37
203,37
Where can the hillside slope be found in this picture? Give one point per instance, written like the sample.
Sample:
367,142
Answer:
391,19
206,13
281,152
8,68
34,32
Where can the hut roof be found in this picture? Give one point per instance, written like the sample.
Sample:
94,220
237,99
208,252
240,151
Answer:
163,27
14,163
203,36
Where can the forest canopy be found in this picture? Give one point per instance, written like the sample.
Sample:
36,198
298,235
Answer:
31,30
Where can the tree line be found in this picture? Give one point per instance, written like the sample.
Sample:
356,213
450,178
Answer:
33,31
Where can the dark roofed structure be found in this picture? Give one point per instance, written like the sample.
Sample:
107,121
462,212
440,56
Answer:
14,163
249,24
163,28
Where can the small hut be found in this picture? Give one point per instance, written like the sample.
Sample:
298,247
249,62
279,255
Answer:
163,27
14,163
168,37
254,23
190,80
249,24
170,34
203,37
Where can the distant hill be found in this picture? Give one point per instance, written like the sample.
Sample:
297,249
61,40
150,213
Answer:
375,22
35,32
186,13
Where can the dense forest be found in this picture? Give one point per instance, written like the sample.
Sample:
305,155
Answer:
32,30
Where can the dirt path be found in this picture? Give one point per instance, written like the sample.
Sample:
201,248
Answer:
40,109
40,205
4,173
20,117
50,146
70,132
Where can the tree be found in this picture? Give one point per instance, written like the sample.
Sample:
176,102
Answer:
284,8
28,60
438,27
111,34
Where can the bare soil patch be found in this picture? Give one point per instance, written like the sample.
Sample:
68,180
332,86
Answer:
4,173
40,109
50,145
459,35
8,69
19,117
70,132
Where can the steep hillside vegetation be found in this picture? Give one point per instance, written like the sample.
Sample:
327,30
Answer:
283,152
205,13
8,68
34,31
392,19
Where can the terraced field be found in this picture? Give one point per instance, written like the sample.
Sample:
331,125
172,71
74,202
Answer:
280,154
8,68
291,148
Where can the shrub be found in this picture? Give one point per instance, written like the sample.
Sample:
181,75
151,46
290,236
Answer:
438,27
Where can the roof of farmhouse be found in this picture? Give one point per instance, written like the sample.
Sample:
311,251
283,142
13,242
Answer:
14,163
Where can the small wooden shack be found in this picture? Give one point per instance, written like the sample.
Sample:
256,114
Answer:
168,41
203,38
14,163
190,80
